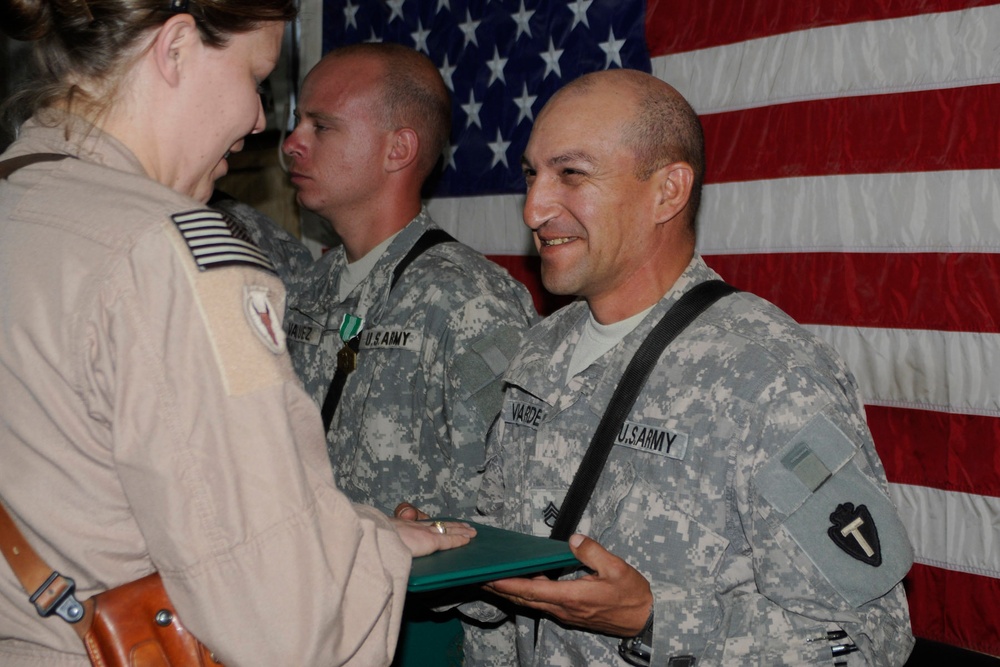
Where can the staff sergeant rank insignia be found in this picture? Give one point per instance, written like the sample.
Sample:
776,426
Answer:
550,514
854,531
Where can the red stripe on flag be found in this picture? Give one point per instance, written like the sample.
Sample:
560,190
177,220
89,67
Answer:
940,291
950,452
686,25
955,608
933,130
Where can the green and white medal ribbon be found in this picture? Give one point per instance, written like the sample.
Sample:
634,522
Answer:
347,357
351,326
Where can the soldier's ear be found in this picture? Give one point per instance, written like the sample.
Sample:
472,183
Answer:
403,149
672,187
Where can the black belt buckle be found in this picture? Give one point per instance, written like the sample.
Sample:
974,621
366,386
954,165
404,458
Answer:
55,596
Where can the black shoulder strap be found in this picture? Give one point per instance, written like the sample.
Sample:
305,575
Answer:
427,240
692,304
9,166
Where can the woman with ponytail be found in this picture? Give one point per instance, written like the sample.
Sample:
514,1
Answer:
150,419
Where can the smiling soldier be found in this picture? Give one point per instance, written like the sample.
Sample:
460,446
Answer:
742,515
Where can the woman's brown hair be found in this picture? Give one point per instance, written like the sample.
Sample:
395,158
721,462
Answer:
94,40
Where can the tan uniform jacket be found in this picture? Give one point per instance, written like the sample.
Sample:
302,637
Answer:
150,419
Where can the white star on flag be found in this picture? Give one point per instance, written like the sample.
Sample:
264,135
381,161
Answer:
579,9
613,49
420,37
449,157
397,9
496,66
469,29
447,70
471,110
551,58
524,103
351,15
499,148
522,17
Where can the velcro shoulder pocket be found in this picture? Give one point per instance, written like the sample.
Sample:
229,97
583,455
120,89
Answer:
836,513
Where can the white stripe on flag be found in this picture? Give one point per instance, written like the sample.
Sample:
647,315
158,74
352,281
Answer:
885,213
945,371
894,212
853,59
955,531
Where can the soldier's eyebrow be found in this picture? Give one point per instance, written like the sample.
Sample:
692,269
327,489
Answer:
317,116
571,156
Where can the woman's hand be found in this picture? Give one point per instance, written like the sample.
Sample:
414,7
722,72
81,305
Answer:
424,537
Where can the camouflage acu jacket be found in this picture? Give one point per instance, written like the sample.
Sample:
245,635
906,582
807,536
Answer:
742,486
413,417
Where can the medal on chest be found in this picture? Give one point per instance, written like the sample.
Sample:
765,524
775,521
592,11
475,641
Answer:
347,357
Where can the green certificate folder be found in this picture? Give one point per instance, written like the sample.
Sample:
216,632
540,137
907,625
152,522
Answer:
492,554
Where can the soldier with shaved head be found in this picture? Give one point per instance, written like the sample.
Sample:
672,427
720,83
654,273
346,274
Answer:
401,333
742,516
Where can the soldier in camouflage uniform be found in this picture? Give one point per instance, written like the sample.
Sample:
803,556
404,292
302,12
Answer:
742,517
412,418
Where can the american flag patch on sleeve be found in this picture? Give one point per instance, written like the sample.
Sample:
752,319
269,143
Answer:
216,241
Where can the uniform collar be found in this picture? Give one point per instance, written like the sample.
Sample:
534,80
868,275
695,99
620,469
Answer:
372,294
55,131
540,366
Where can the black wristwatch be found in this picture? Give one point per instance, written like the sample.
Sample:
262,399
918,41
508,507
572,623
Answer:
639,649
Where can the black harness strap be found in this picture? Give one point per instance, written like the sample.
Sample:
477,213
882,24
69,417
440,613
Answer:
427,240
692,304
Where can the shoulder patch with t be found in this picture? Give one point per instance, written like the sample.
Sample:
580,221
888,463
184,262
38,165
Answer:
216,241
854,531
837,513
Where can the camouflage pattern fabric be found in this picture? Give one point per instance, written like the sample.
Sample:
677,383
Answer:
721,489
413,417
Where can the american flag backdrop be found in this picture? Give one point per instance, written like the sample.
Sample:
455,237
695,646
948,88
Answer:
853,179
